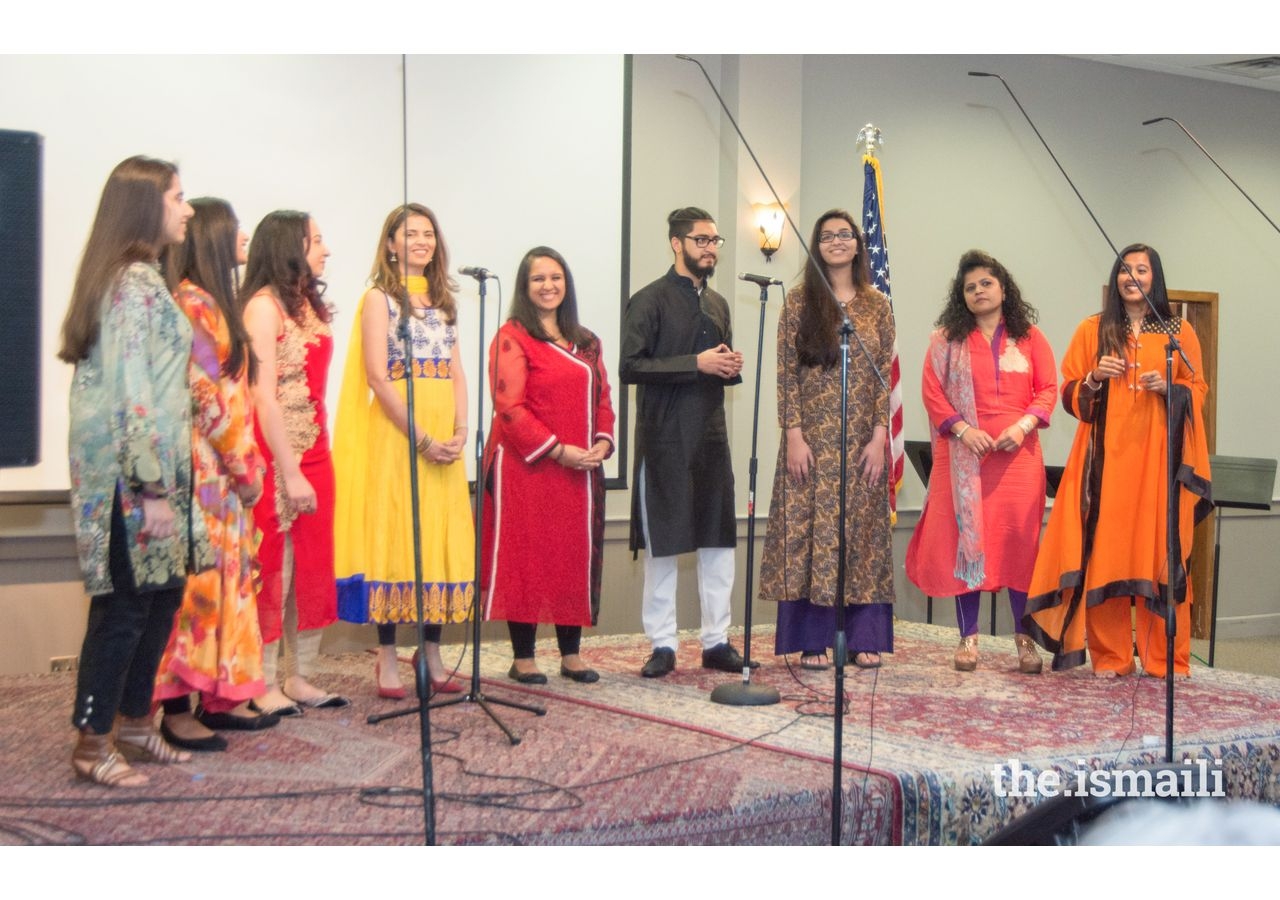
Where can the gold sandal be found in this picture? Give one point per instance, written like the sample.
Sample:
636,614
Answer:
1029,662
966,659
96,759
139,740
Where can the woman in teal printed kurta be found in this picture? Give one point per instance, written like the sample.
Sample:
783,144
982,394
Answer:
130,450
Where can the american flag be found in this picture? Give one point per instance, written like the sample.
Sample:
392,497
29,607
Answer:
878,259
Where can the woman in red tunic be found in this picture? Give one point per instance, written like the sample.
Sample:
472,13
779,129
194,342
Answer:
989,383
552,429
288,323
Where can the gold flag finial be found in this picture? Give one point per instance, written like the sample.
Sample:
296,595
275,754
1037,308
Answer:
869,138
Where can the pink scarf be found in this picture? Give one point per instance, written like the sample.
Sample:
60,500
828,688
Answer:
950,361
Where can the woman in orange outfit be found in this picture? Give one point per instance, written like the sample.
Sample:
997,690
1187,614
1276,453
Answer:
1104,546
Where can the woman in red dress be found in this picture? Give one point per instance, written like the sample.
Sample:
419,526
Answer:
288,323
552,430
989,383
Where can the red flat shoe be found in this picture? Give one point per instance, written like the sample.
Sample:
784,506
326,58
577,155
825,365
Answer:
387,693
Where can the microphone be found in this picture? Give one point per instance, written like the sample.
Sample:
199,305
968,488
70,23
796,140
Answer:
761,280
477,272
1209,156
984,75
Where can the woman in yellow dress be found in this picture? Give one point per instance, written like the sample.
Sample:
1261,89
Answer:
409,285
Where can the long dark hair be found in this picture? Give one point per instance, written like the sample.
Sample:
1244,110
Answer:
817,339
128,228
207,258
525,312
1113,327
959,322
385,275
278,260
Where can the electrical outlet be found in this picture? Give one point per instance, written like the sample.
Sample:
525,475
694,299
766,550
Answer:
64,663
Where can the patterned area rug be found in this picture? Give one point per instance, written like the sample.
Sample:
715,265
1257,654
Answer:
638,761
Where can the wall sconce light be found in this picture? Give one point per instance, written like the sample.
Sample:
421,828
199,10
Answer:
769,222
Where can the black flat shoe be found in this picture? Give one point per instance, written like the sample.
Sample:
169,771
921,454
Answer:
582,676
324,701
213,742
527,677
229,722
280,712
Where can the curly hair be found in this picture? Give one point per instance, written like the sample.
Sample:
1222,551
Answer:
958,322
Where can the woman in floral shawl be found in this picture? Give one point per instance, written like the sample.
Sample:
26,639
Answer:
130,453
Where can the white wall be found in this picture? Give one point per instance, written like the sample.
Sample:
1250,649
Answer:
962,169
509,151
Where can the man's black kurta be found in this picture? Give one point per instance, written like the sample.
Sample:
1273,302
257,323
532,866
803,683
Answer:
681,439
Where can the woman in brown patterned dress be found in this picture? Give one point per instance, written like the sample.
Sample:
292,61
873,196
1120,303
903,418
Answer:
800,553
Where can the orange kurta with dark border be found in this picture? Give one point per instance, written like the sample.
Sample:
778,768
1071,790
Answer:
1106,533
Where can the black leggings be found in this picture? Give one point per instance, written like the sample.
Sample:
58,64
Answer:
387,634
124,639
525,634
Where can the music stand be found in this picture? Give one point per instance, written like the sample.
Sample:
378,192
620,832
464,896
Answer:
1239,482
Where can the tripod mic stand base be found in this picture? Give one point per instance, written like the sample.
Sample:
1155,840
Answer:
745,694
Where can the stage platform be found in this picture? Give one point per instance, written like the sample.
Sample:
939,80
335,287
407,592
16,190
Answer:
637,761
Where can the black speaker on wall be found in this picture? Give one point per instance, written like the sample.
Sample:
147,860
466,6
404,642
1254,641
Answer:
20,171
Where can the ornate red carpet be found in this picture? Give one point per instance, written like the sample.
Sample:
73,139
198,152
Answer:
631,760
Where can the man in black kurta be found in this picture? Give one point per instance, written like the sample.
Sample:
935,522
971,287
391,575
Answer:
676,348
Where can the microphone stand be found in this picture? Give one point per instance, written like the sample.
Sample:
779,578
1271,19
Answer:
746,693
1209,156
474,694
420,663
1171,496
423,708
838,643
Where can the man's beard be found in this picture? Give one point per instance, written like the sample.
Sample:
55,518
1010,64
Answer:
694,265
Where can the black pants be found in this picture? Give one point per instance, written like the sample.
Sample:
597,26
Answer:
525,634
387,634
123,642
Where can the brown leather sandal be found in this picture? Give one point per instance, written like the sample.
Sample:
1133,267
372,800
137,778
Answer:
96,759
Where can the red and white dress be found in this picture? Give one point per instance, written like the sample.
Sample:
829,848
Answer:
543,523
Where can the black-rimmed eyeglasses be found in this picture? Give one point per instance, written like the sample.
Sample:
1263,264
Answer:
828,236
702,240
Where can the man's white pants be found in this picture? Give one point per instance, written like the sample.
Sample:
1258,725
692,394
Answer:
715,589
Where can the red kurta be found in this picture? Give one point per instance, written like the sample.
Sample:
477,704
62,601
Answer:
303,352
1106,534
543,523
1011,379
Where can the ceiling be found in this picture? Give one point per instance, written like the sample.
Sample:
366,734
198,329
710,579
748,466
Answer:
1247,70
